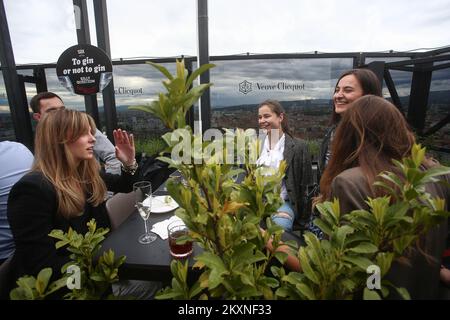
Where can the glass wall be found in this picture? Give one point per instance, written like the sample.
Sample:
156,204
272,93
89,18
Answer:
303,86
402,81
134,85
71,100
438,110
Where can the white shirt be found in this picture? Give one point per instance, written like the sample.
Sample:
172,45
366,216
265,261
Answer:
272,158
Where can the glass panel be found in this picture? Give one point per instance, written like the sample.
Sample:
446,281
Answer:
70,100
6,124
303,86
402,81
438,109
139,85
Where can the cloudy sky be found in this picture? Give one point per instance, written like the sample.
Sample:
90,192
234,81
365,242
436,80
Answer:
42,29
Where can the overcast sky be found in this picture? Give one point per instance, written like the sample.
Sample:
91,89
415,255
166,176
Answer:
42,29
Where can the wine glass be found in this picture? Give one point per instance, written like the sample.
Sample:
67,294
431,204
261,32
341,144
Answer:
143,194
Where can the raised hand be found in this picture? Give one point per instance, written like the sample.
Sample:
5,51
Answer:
125,150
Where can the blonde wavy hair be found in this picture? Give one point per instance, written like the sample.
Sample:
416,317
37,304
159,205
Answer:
74,182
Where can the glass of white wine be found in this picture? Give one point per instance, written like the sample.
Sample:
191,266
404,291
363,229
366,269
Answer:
143,196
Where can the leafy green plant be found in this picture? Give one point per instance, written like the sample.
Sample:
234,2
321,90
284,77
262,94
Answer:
224,217
95,276
31,288
336,268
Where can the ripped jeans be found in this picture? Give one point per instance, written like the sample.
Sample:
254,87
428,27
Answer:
285,219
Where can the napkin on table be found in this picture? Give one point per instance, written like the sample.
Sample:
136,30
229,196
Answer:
160,228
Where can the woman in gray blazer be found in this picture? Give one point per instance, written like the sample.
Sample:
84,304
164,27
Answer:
278,145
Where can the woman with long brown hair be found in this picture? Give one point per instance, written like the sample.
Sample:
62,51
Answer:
63,190
370,134
351,85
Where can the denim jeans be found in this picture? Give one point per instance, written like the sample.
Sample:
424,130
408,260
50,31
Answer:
283,221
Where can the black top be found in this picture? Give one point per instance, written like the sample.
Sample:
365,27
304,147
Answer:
33,214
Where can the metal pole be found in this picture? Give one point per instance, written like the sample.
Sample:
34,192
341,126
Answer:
14,88
203,58
109,101
83,37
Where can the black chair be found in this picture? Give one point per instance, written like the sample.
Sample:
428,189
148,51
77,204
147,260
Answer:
120,207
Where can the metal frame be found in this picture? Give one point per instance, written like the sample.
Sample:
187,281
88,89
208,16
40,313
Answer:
109,98
414,62
83,37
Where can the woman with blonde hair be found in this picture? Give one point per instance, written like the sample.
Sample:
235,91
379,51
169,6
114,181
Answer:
64,189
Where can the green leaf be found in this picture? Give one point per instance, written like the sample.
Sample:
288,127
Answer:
305,291
198,72
308,271
371,294
434,172
42,280
161,69
403,293
365,247
270,282
323,226
195,290
341,234
359,261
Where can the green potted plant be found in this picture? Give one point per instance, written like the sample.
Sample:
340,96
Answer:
92,275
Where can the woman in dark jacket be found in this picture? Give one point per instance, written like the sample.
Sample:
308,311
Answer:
370,135
63,190
350,86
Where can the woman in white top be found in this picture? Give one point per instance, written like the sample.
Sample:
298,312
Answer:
279,144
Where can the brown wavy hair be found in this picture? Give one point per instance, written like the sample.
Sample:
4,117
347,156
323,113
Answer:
370,134
74,182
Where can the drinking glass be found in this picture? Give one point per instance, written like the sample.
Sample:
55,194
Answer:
143,194
177,230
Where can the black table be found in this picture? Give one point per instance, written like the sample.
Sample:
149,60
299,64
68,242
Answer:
150,261
144,261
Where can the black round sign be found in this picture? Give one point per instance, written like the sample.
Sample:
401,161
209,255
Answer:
84,69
